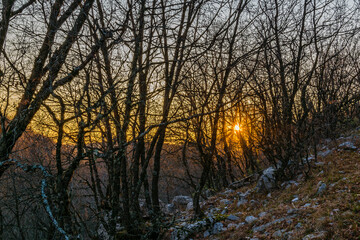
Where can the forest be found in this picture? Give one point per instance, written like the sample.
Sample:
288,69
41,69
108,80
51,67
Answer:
111,108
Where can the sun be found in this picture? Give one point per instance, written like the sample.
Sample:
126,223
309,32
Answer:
237,128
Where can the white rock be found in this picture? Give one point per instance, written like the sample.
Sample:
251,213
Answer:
103,233
189,206
217,228
321,188
289,183
225,201
335,211
277,234
233,218
307,205
261,228
210,218
181,200
244,195
324,153
232,225
347,146
170,208
319,235
308,159
250,219
319,163
215,210
228,191
267,180
240,225
241,202
262,214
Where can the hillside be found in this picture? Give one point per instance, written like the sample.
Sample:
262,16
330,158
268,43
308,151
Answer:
323,205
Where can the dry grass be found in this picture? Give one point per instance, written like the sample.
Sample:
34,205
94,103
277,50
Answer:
336,212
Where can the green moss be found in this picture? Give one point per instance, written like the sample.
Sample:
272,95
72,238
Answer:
220,217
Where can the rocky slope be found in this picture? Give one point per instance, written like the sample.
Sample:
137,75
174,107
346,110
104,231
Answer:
323,205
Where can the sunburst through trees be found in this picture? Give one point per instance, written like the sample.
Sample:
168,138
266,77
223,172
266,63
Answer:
126,104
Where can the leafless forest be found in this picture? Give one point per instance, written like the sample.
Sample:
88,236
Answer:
110,108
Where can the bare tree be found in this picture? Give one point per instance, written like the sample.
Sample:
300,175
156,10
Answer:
126,92
288,65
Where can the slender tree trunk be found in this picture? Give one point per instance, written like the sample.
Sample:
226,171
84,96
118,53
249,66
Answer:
1,225
203,178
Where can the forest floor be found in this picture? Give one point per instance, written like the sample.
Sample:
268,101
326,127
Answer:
323,205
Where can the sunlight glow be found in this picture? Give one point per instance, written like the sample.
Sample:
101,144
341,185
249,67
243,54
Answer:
237,128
